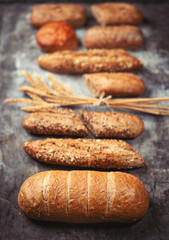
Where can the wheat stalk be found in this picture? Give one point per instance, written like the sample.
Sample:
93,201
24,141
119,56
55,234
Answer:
44,97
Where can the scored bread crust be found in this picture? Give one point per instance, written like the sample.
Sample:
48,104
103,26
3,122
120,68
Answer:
83,197
126,37
62,122
112,124
85,153
114,84
117,13
94,60
74,14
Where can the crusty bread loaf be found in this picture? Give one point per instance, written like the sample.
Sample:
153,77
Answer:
74,14
89,61
56,36
109,37
114,84
112,124
85,153
58,122
117,13
83,197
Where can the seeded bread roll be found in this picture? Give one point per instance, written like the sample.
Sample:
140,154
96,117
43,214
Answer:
117,13
85,153
56,36
58,122
83,197
126,37
114,84
112,124
89,61
74,14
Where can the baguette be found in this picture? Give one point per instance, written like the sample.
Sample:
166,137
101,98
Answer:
74,14
89,61
85,153
114,84
117,13
83,197
112,124
58,122
126,37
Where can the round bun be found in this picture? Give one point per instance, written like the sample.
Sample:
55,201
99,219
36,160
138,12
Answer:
56,36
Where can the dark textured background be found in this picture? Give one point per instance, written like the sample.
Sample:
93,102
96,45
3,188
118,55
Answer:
19,51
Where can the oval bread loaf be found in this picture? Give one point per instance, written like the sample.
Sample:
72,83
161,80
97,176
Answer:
126,37
62,122
114,84
117,13
112,124
85,153
83,197
74,14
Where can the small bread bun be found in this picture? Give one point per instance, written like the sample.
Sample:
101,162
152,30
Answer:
56,36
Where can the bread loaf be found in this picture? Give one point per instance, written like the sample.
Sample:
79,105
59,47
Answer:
112,124
85,153
58,122
114,84
117,13
74,14
83,197
126,37
56,36
89,61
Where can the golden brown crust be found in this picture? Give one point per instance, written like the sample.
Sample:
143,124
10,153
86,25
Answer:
30,197
85,153
114,84
74,14
57,195
56,36
83,197
94,60
62,122
112,124
126,37
133,189
78,190
117,13
97,196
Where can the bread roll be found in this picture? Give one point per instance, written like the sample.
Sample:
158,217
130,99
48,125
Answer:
89,61
56,36
85,153
126,37
62,122
114,84
112,124
83,197
117,13
74,14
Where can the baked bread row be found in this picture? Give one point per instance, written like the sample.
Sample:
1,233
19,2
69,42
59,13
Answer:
64,122
83,196
76,15
59,36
